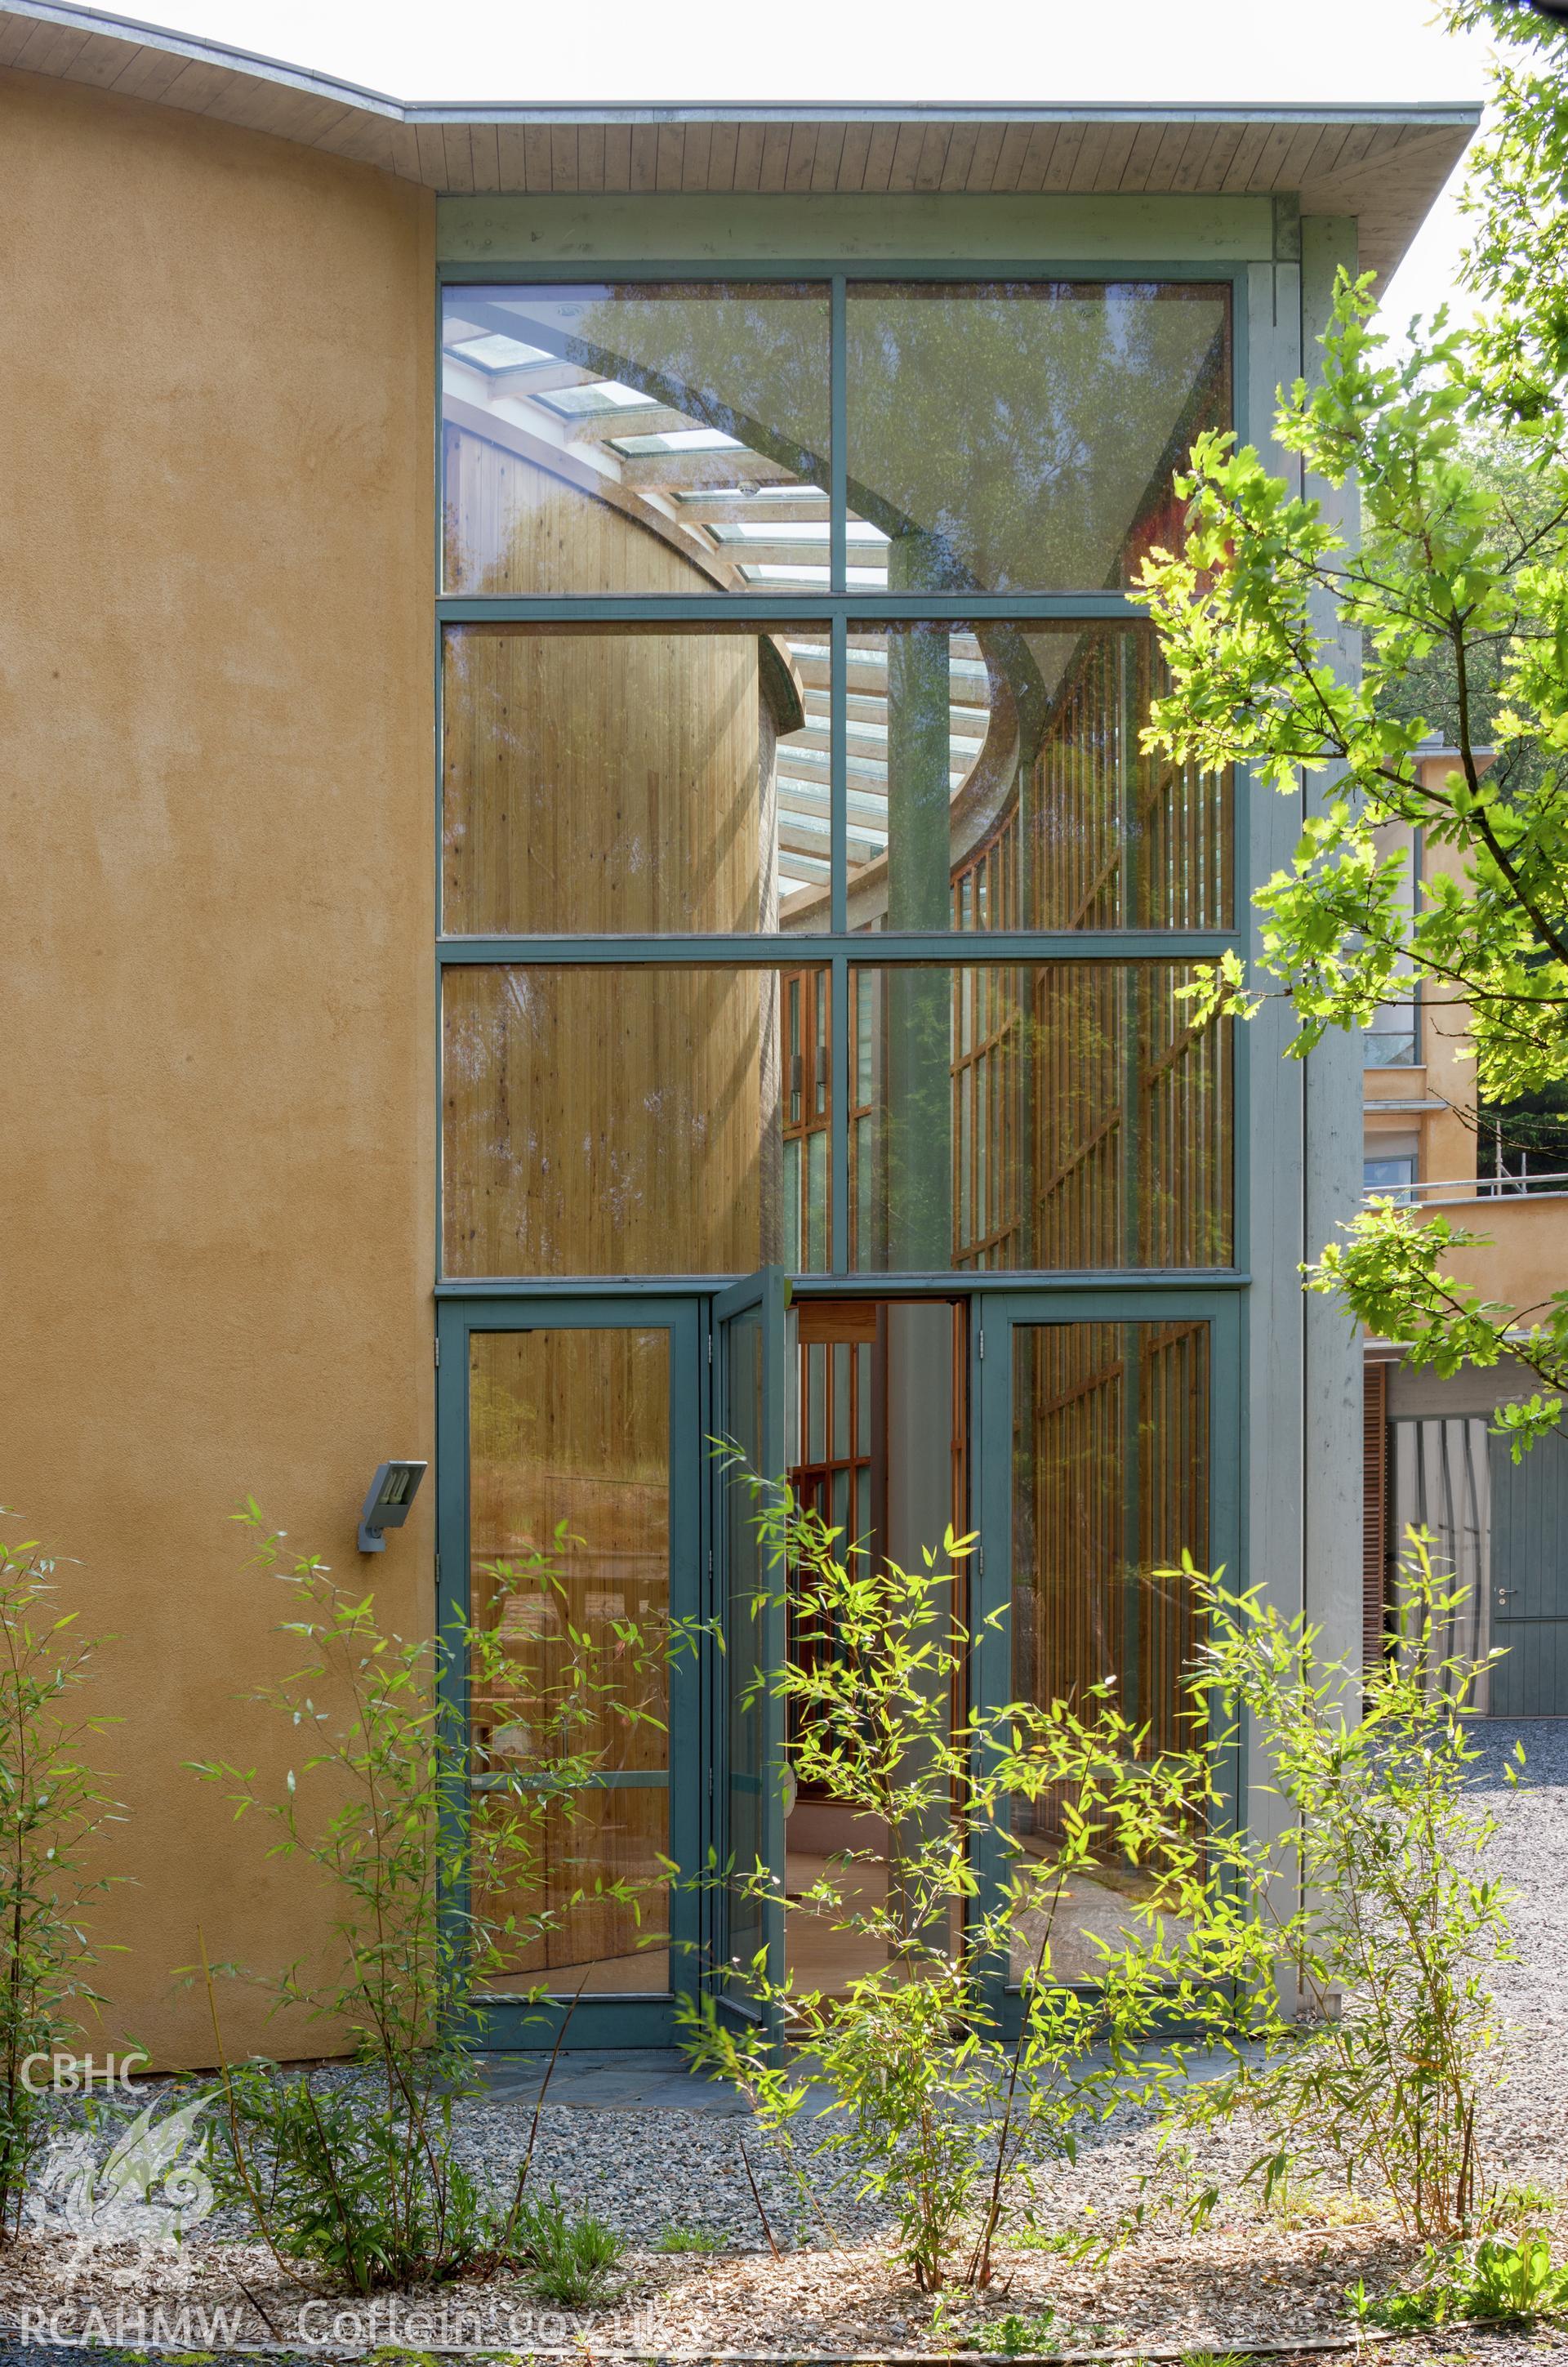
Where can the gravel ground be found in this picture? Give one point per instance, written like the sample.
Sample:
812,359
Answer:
648,2172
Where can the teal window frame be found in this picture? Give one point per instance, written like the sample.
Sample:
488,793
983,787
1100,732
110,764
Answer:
836,948
1125,1294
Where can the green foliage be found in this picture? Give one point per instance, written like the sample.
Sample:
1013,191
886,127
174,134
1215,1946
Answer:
1251,613
943,2119
1456,590
1515,195
369,2195
1512,2206
1390,1268
1338,1950
432,1842
1015,2336
571,2261
689,2239
53,1806
1498,2283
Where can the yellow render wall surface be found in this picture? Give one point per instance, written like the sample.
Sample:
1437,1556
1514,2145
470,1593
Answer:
215,693
1525,1256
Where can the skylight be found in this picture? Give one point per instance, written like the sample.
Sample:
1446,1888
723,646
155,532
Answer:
497,352
605,394
792,530
679,440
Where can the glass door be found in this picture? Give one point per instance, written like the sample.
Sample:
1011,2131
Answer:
1108,1443
569,1513
752,1374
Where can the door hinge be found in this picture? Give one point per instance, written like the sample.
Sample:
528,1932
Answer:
438,1353
980,1561
982,1344
438,1569
710,1347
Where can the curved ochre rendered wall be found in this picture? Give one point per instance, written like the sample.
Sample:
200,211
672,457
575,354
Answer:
215,691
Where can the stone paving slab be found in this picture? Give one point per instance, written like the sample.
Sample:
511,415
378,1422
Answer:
607,2079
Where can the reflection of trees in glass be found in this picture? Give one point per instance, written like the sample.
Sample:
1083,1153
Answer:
1010,436
750,362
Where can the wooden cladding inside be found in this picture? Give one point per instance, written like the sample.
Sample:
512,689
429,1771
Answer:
605,779
1054,1116
568,1478
1123,839
516,523
1057,1116
1110,1481
608,782
602,1120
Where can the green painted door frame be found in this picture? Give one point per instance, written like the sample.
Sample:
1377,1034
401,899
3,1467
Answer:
996,1315
611,2020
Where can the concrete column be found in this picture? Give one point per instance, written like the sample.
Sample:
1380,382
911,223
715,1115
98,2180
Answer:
1332,1397
1273,1500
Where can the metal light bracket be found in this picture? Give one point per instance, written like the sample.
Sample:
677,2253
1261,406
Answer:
392,1491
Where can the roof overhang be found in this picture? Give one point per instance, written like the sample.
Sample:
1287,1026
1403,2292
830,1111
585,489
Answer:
1384,164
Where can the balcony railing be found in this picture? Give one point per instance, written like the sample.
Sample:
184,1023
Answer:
1546,1185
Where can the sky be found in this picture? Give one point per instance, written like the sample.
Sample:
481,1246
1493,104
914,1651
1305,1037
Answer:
1167,51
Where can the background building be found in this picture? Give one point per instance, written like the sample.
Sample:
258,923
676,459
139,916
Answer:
1430,1459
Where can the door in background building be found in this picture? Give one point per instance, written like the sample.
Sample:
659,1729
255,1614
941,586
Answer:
1529,1579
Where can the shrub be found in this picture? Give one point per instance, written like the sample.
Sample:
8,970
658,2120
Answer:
52,1803
430,1899
944,2117
1342,1960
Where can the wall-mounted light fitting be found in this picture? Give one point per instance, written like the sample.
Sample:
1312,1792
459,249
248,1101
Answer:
392,1490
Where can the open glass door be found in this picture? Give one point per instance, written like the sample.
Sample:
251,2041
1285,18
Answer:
752,1379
